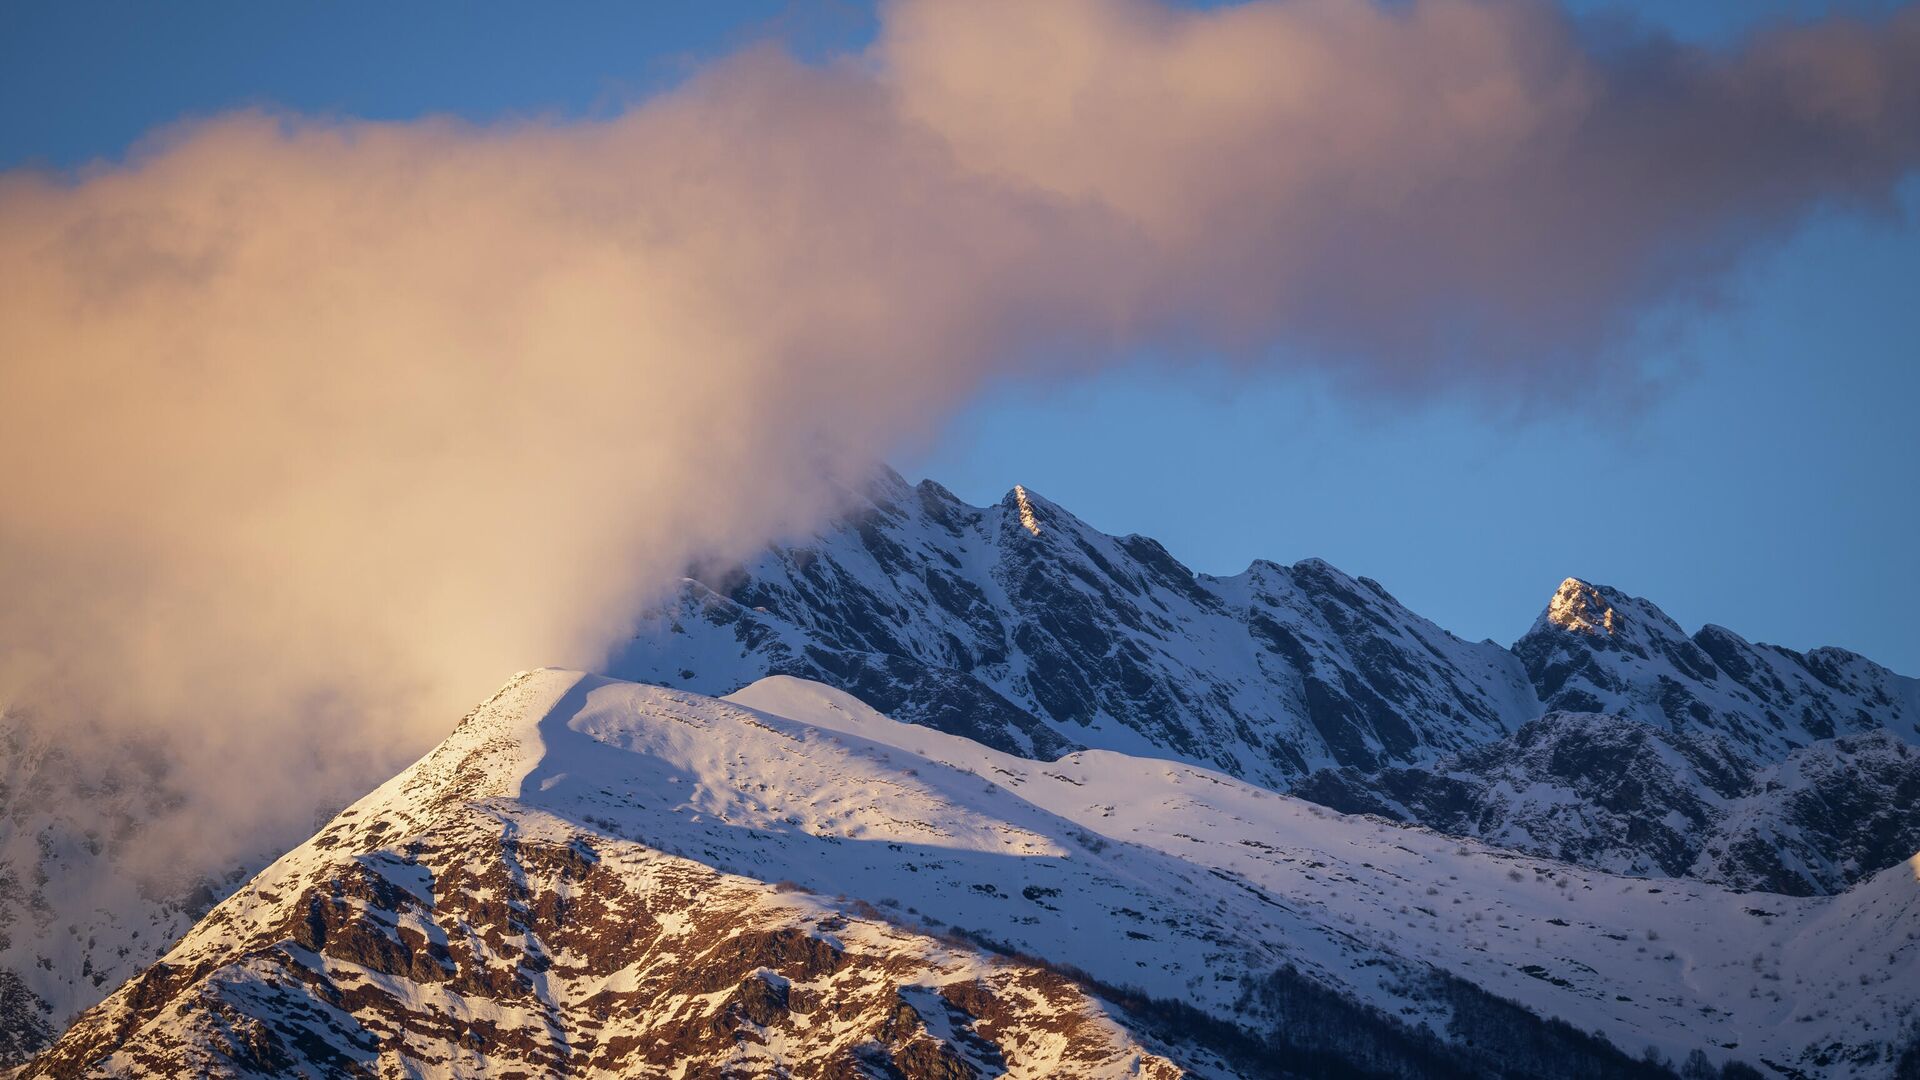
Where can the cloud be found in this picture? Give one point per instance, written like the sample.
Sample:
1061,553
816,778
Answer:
1421,191
316,429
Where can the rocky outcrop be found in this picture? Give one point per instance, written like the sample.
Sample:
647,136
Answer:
490,940
1826,817
1632,798
1596,649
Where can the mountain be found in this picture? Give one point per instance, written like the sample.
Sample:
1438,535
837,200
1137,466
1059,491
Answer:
589,874
81,909
1025,629
1596,649
1021,627
1826,817
1628,797
1598,790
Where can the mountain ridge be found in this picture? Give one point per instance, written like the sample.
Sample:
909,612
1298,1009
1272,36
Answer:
587,875
1021,628
1072,637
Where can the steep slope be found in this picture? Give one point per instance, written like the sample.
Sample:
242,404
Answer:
1023,628
464,920
1601,791
1829,815
1596,649
579,877
1625,796
81,908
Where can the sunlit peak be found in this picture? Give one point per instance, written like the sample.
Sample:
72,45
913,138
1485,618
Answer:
1579,607
1027,519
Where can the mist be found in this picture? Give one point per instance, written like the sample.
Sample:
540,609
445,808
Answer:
316,430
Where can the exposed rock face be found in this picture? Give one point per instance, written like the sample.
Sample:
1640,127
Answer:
1596,790
596,878
1596,649
554,960
1021,627
1628,797
1826,817
438,927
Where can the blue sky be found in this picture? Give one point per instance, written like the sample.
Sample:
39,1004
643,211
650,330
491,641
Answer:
1771,488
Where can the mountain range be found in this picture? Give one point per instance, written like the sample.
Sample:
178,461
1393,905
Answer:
597,877
945,790
1605,736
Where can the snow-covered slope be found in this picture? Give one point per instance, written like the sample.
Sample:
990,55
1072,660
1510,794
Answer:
475,916
1596,649
1827,816
80,908
1023,628
1625,796
1602,791
586,874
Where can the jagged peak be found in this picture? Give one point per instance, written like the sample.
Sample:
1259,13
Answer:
1028,519
884,484
932,489
1315,567
1602,612
1580,608
1262,568
1716,631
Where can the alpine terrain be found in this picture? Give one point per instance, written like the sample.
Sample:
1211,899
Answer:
950,791
591,876
1021,627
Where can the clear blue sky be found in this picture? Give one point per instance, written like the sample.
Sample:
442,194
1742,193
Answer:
1775,488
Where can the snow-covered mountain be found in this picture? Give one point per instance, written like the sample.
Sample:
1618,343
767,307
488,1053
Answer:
595,875
80,910
1596,649
1022,627
1628,797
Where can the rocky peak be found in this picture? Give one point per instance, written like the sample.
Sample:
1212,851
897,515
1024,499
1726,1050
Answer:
1020,625
1597,649
1579,608
1024,505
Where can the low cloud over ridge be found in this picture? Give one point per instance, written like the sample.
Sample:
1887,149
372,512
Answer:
316,429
